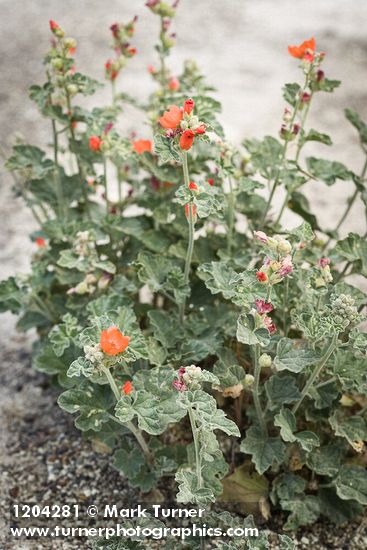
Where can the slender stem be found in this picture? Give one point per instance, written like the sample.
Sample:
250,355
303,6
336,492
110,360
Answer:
285,306
134,430
60,197
231,218
80,169
316,372
163,65
255,391
284,151
195,436
190,247
105,183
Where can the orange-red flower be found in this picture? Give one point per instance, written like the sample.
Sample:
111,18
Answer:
201,129
53,25
95,143
193,186
174,84
307,48
40,242
187,139
261,276
112,341
171,118
127,387
211,181
141,146
189,105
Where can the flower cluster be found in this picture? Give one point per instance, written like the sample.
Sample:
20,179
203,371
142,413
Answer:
101,143
261,315
188,377
166,12
61,62
279,263
181,122
121,44
93,353
343,310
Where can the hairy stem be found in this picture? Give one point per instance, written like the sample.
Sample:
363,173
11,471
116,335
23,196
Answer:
59,193
190,247
255,391
134,430
284,152
195,435
316,372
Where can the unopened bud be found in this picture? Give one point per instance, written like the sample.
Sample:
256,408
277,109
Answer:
265,360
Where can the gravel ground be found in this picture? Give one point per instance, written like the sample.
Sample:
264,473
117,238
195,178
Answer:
241,45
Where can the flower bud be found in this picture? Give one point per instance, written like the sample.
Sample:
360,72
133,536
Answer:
72,89
265,360
248,380
70,43
57,63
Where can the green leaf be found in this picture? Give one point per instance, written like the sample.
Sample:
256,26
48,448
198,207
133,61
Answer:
314,135
63,335
288,486
299,204
292,356
81,367
247,334
354,248
351,371
188,491
303,233
30,161
264,450
162,274
352,428
165,149
265,155
328,85
358,123
328,171
91,402
335,509
290,92
351,483
325,460
286,421
281,390
166,328
205,407
305,510
12,297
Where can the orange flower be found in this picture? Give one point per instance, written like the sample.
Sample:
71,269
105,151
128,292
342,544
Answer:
174,84
200,129
211,181
142,145
40,242
187,139
189,105
261,276
193,210
127,388
112,341
305,49
193,186
171,118
95,143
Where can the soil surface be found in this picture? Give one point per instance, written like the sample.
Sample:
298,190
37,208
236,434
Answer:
241,46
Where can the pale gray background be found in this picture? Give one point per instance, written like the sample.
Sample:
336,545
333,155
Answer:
242,47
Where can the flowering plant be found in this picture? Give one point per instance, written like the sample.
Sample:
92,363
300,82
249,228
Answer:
166,293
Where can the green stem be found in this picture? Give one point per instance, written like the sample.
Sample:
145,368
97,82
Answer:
231,217
316,372
284,152
59,193
134,430
285,306
80,169
105,183
195,436
190,247
255,391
